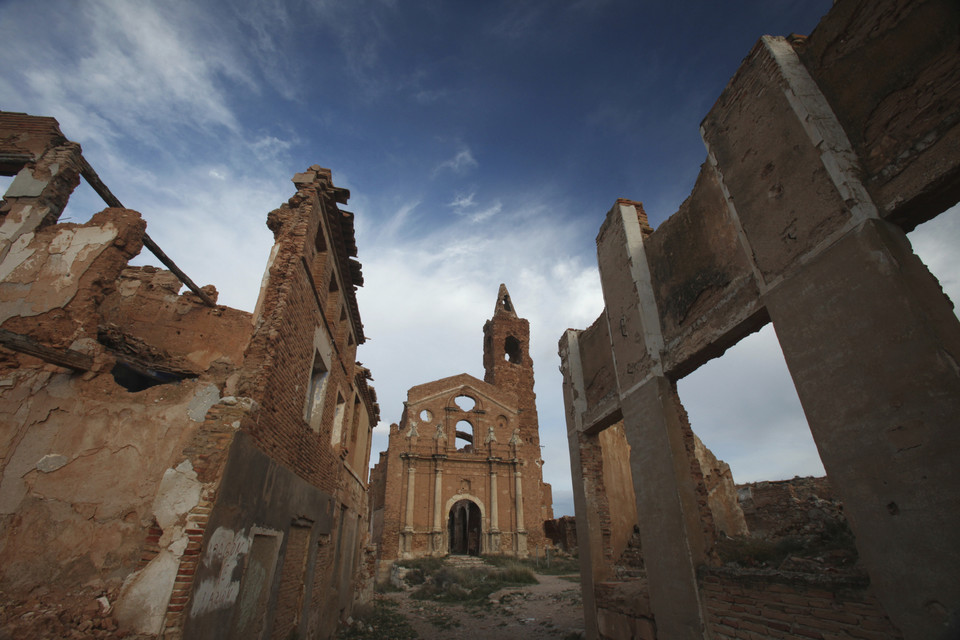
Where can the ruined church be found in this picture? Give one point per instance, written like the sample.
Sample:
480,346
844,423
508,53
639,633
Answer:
462,471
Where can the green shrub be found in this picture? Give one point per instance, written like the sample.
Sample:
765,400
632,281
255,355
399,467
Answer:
558,565
472,585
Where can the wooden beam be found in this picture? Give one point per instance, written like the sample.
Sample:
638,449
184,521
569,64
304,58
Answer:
94,181
11,163
61,357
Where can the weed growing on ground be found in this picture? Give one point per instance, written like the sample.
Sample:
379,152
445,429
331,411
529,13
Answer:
471,585
558,565
377,620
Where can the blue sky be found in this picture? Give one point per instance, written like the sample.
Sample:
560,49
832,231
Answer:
483,142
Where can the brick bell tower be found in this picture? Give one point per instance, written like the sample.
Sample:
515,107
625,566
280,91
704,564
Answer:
507,363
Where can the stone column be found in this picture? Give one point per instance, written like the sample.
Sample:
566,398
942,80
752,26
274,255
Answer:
411,492
406,535
437,496
589,543
494,509
521,529
438,546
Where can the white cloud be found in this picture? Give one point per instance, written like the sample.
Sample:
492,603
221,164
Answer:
486,214
461,201
462,161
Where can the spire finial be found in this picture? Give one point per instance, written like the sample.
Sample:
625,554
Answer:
504,304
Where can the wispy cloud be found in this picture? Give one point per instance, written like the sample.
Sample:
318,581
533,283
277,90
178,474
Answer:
130,69
487,213
461,201
460,163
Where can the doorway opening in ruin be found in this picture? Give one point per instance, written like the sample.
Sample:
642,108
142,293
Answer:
463,527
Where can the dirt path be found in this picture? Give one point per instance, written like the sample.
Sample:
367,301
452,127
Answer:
550,609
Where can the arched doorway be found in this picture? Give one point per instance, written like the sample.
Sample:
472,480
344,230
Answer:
463,527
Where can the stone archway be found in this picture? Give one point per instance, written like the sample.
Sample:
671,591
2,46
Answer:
464,528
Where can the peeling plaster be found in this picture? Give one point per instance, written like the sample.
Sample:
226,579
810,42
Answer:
205,398
178,493
145,593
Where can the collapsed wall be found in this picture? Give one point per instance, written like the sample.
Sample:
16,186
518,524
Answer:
170,466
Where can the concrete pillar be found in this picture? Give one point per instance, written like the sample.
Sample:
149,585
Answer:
668,514
667,508
872,345
589,543
869,338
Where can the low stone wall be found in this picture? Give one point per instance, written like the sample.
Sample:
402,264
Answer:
762,605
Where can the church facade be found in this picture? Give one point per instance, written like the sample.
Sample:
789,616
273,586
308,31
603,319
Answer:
462,471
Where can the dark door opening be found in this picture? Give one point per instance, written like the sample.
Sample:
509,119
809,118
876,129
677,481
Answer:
463,526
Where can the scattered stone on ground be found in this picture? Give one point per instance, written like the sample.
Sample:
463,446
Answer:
551,609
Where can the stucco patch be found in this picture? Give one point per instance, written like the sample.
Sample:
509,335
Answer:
179,492
51,462
205,398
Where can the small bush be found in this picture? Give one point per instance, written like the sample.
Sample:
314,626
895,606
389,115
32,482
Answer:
473,585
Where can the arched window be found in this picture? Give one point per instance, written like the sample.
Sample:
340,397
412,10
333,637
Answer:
465,439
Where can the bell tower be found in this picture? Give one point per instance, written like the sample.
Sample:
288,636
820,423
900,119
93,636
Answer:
507,363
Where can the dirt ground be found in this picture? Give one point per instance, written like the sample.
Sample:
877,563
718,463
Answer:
551,609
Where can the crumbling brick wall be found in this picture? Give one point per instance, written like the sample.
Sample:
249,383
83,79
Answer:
800,506
133,472
562,532
783,605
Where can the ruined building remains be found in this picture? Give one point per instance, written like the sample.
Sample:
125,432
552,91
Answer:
172,467
822,152
462,471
